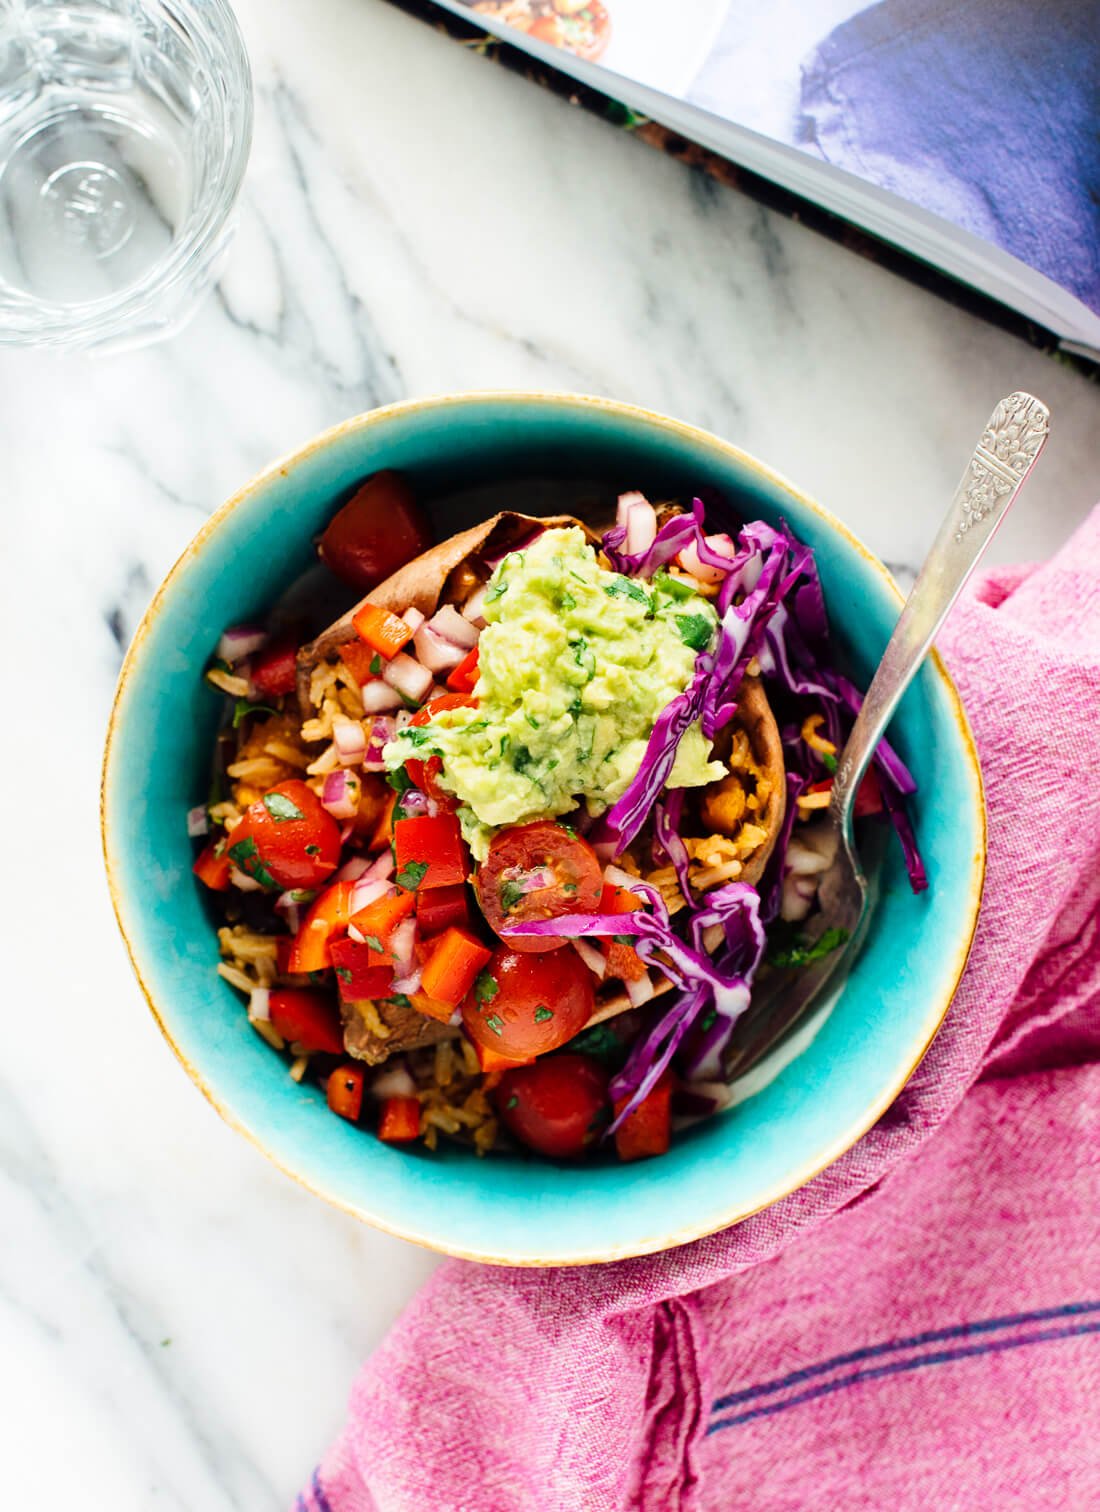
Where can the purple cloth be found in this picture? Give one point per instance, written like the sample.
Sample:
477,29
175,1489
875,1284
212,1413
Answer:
902,1332
984,113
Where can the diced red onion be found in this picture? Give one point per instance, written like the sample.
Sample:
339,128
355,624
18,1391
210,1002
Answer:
242,882
797,897
594,959
406,978
408,677
619,878
473,608
641,991
451,625
240,641
350,740
393,1081
259,1005
368,890
641,527
352,869
436,652
382,732
198,823
381,867
690,560
378,696
413,618
403,941
413,801
340,794
625,503
403,719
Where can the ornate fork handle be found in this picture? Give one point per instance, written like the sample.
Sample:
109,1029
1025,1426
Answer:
1009,447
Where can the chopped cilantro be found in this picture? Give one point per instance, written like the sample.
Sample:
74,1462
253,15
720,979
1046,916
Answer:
511,893
400,780
498,590
302,895
495,1024
313,850
624,939
243,709
373,941
521,758
584,657
624,587
569,887
376,665
542,1013
708,1019
344,973
400,1000
512,1102
245,854
828,761
567,601
601,1042
416,734
672,587
576,708
281,808
485,987
695,630
532,721
802,953
411,875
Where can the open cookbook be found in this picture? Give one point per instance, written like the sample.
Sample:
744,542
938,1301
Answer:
963,134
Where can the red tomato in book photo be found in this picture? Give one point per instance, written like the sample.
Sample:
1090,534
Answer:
582,27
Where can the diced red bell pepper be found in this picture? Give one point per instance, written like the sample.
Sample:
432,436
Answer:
383,829
345,1091
384,632
429,852
379,919
623,961
212,866
361,972
464,677
326,920
431,1007
455,960
307,1018
361,660
275,670
400,1120
490,1061
648,1129
869,796
441,907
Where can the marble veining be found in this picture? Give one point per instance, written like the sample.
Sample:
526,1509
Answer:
179,1323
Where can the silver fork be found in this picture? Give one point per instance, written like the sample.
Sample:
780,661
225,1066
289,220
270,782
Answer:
1010,444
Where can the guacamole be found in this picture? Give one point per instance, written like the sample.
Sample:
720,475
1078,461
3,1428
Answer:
574,667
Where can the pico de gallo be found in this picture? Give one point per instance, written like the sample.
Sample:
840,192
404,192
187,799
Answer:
498,856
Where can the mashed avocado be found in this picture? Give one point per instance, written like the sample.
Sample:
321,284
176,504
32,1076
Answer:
575,665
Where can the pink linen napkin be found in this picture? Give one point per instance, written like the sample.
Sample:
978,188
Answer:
932,1339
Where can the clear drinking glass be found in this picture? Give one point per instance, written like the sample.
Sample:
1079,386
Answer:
124,133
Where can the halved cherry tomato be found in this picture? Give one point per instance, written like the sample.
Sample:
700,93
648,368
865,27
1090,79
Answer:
400,1119
307,1018
517,856
379,529
423,774
464,677
345,1091
648,1129
623,961
361,973
440,907
275,670
385,633
212,866
524,1005
456,958
429,851
326,920
286,839
557,1106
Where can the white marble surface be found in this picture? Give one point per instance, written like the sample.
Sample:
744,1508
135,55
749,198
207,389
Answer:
179,1324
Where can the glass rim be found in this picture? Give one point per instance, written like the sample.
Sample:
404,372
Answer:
50,324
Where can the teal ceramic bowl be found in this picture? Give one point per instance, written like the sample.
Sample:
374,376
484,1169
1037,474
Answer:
512,1209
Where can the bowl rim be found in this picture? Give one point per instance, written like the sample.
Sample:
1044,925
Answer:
697,436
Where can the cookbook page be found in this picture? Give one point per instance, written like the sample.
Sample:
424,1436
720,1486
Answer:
982,114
